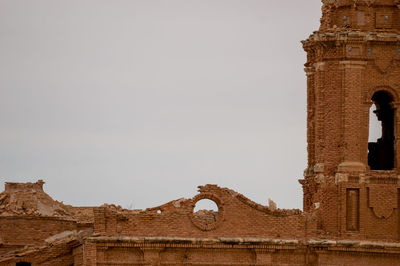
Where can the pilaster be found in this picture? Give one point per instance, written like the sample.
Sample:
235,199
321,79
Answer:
353,81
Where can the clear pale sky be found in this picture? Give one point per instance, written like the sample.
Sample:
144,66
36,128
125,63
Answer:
137,102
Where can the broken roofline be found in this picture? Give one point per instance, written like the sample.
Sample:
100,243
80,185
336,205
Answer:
210,192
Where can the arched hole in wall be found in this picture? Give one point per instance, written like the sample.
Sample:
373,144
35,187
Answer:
206,211
375,127
381,134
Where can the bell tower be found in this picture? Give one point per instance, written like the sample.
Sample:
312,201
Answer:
351,185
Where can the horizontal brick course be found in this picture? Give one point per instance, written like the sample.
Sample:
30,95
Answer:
350,213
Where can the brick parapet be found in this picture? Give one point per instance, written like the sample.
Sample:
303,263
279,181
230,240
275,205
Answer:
236,216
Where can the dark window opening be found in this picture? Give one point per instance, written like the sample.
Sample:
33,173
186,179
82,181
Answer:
23,264
381,152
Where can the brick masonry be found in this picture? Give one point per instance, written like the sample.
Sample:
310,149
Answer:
351,187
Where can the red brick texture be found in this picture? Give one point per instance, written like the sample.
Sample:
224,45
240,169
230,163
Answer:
355,54
176,219
351,213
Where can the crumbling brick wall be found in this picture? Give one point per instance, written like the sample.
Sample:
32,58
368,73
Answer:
237,216
351,207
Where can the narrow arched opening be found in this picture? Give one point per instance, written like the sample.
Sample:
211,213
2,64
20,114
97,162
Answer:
381,150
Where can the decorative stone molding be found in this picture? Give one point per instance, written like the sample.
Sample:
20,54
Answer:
309,71
319,168
353,36
336,2
363,179
320,66
320,179
351,167
353,64
341,178
330,1
382,200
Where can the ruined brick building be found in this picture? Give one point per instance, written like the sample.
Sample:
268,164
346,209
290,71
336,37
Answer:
351,187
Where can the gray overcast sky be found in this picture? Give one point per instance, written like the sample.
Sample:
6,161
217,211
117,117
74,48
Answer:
138,102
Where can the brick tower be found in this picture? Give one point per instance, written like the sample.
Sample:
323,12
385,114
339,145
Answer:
353,63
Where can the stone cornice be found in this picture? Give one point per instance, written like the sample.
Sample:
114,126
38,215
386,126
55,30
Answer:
352,36
343,245
360,2
194,241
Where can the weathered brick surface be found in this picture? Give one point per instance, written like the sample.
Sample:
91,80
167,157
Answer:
355,53
351,213
237,217
32,230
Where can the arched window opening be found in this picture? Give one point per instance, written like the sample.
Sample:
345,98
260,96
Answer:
381,151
